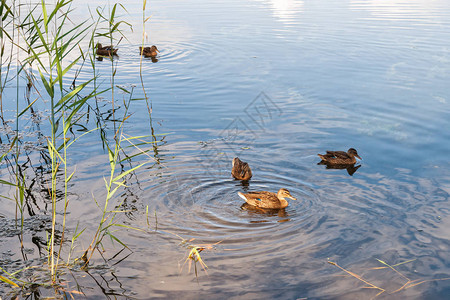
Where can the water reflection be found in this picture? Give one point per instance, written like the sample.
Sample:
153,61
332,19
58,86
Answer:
351,169
401,9
265,212
243,183
286,10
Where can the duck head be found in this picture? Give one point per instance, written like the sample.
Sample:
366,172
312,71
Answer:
154,49
352,152
284,193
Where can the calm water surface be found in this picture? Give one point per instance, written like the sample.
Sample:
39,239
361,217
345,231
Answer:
276,82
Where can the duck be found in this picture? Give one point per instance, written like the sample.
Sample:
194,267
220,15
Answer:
340,157
106,50
268,199
149,51
240,170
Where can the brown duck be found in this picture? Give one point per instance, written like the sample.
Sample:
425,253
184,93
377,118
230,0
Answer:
267,199
240,170
149,51
106,50
340,157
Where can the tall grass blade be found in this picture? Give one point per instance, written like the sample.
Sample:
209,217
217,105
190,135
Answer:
6,280
44,11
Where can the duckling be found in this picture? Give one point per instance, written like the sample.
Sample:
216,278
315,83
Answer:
106,50
149,51
240,170
267,199
340,157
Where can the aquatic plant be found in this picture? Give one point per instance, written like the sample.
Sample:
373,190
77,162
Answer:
369,285
42,42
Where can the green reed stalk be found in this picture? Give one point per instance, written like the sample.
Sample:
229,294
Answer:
11,25
54,47
112,29
20,182
115,181
113,70
148,103
48,42
5,13
7,18
144,20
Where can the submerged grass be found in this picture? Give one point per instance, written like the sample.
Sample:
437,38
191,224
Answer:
408,284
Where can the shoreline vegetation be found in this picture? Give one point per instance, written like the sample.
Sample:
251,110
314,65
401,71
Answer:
40,51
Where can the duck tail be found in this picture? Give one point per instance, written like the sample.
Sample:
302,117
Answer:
242,196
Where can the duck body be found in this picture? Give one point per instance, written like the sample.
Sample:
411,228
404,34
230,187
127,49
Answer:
149,51
106,50
267,199
241,170
340,157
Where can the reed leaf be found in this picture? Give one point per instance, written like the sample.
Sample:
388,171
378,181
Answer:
7,182
41,37
6,280
70,95
114,238
59,5
49,88
44,11
113,14
127,172
8,11
27,108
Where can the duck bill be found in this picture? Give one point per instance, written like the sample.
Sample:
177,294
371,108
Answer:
358,156
290,197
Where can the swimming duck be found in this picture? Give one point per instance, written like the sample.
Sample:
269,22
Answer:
267,199
240,170
340,157
106,50
149,51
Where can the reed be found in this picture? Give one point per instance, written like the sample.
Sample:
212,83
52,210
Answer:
49,55
40,36
369,285
115,181
144,37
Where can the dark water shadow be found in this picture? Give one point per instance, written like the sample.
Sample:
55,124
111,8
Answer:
245,184
351,169
100,57
265,212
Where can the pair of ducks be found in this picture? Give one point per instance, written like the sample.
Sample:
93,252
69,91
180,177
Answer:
109,50
268,200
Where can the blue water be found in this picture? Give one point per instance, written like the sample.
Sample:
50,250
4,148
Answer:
276,82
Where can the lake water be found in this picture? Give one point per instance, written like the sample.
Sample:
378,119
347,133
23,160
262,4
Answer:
275,83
